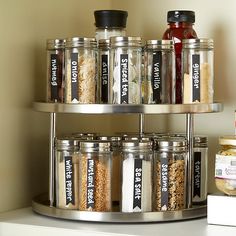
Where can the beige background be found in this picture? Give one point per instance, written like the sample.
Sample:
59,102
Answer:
24,27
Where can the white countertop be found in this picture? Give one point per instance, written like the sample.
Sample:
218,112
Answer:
26,222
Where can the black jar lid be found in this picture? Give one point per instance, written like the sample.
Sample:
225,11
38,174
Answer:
180,16
110,18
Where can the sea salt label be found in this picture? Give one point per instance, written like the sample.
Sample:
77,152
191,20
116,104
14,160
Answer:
69,181
137,185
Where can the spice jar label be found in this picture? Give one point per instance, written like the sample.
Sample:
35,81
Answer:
54,76
164,184
74,76
69,182
137,184
225,167
196,77
197,175
156,76
104,78
124,82
90,183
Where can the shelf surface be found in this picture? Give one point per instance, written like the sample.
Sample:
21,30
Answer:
41,206
124,108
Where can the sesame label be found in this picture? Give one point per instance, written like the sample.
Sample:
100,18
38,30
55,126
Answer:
164,184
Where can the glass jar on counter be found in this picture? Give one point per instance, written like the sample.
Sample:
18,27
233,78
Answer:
80,67
55,69
198,70
103,71
95,161
170,174
136,190
110,23
125,70
225,165
160,71
200,165
67,153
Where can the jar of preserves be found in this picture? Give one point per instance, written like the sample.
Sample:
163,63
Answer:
198,70
170,174
55,69
80,66
225,165
125,73
180,27
110,23
67,153
95,162
159,71
136,190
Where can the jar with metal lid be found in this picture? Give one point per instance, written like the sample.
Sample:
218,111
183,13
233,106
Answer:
198,70
116,163
95,163
67,179
125,70
160,71
55,70
136,190
80,66
103,71
170,173
110,23
200,165
225,165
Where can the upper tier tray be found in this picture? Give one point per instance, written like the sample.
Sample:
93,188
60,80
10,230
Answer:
123,108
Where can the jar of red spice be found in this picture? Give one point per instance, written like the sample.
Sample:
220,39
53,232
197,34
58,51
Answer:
180,27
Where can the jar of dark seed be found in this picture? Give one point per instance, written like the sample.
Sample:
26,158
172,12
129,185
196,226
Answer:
95,161
67,152
169,173
55,69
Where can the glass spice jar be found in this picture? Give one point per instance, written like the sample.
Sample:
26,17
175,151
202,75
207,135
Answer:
125,70
170,173
110,23
67,152
160,71
103,71
180,26
95,163
198,71
55,69
225,166
80,63
136,190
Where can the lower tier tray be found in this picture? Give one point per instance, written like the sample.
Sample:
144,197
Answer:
40,204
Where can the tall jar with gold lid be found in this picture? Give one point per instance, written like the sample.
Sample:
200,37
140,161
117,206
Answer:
225,165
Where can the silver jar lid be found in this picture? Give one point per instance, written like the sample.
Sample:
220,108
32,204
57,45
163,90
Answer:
95,146
104,43
201,43
159,44
55,44
177,144
136,145
138,138
228,140
84,136
114,140
66,143
200,141
119,41
81,42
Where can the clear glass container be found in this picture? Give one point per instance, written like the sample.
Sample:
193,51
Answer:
125,70
67,179
136,190
225,165
159,71
80,66
200,166
170,174
110,23
103,71
95,163
180,26
198,70
55,70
